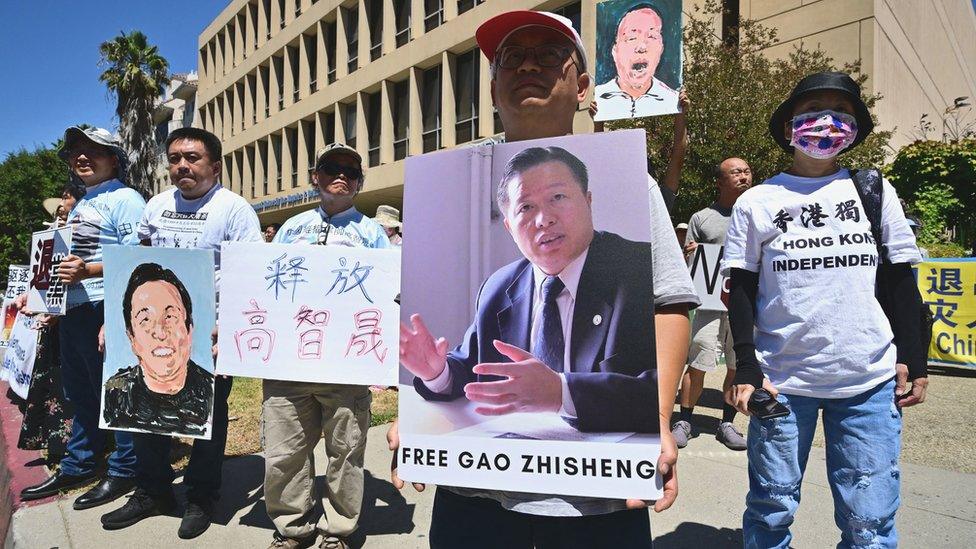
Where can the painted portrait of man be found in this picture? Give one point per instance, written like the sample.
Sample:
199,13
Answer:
642,59
165,392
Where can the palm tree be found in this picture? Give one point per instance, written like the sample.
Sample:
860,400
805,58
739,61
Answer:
136,74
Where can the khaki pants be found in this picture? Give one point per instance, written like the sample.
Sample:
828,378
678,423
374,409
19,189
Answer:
295,416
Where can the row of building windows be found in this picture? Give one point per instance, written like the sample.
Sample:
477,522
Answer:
272,171
227,114
260,20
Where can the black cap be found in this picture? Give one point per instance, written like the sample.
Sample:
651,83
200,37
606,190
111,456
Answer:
837,81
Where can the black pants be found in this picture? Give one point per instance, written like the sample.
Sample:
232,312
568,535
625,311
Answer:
154,473
480,523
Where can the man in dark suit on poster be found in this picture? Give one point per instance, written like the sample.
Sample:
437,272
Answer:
581,301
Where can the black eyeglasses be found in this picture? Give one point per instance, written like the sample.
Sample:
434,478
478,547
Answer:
89,152
332,168
546,55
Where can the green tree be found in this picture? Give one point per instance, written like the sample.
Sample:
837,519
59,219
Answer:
136,74
734,91
938,179
26,179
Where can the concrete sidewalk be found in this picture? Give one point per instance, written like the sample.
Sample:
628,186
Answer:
938,509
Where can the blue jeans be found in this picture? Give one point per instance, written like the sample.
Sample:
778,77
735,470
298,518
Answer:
81,375
203,474
863,438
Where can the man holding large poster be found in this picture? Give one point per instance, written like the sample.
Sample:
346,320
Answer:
198,213
295,413
539,78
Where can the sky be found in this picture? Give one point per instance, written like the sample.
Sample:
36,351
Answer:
49,59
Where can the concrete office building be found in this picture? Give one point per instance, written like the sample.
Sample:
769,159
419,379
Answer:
281,78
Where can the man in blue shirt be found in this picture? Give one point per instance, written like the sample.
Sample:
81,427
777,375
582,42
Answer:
107,214
296,414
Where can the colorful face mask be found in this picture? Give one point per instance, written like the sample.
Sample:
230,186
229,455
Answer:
823,134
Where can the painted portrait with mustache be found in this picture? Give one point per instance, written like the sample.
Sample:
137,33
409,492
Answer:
636,53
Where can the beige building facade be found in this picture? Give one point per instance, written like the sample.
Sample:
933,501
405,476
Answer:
279,79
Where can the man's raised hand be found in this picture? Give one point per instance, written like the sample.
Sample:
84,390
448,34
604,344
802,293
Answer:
419,352
530,385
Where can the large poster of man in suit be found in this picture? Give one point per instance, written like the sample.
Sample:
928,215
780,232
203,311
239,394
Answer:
552,386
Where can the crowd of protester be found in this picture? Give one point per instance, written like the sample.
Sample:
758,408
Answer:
772,339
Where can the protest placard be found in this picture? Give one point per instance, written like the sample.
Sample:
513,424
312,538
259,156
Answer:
18,360
638,58
46,291
17,279
578,412
159,316
712,288
298,312
948,287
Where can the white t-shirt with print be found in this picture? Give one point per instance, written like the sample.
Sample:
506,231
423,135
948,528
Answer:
171,221
820,331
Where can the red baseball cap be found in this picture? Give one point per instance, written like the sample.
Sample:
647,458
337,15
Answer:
493,32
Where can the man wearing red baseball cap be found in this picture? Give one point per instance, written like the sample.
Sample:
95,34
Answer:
539,78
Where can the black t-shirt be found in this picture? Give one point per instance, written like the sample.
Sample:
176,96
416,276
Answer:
129,404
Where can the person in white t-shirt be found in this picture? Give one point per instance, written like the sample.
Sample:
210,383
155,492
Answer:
803,308
199,213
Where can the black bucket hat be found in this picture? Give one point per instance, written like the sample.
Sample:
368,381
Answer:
837,81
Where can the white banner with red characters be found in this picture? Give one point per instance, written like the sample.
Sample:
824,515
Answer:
46,292
712,288
17,278
323,314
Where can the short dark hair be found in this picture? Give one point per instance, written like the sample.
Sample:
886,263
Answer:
275,225
534,156
210,141
72,190
152,272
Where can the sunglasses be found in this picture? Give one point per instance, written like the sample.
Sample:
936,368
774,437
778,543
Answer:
547,55
89,152
331,168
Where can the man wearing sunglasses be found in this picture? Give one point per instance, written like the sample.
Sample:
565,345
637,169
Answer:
297,414
538,97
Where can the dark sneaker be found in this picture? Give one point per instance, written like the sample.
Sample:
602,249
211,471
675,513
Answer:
333,542
281,542
196,519
139,506
681,431
730,436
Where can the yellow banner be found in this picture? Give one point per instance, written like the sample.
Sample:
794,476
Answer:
948,287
